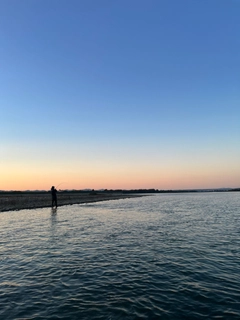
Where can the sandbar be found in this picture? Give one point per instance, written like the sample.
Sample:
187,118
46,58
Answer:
19,201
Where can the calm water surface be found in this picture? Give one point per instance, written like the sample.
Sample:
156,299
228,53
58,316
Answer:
173,256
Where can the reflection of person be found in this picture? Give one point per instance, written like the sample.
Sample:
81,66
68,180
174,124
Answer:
54,196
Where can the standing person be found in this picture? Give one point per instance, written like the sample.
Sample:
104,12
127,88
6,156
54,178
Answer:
54,196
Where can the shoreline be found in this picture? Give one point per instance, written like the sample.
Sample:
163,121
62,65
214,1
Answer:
23,201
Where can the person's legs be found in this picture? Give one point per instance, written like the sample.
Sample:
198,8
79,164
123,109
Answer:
54,201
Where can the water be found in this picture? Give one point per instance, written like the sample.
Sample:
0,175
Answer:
166,256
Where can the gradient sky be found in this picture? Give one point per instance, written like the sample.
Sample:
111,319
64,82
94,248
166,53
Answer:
119,94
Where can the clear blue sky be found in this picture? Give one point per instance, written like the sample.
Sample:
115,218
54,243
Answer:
120,94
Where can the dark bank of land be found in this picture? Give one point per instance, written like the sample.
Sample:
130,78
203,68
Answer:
142,191
17,200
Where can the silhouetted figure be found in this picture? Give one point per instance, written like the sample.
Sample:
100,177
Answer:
54,196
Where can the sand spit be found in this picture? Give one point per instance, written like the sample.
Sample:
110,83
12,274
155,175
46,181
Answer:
11,201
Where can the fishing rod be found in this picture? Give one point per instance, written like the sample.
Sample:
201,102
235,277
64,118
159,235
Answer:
60,184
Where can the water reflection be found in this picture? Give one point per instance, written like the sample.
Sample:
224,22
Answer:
53,218
53,211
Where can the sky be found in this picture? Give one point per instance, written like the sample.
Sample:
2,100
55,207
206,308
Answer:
123,94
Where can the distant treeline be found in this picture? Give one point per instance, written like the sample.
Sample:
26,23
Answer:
171,191
123,191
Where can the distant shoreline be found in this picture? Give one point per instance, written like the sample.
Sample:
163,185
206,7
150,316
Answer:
12,201
118,191
19,200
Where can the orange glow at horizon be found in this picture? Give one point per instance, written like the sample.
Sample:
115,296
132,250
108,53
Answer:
22,178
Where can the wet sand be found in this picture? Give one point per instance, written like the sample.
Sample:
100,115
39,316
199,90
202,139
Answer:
12,201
